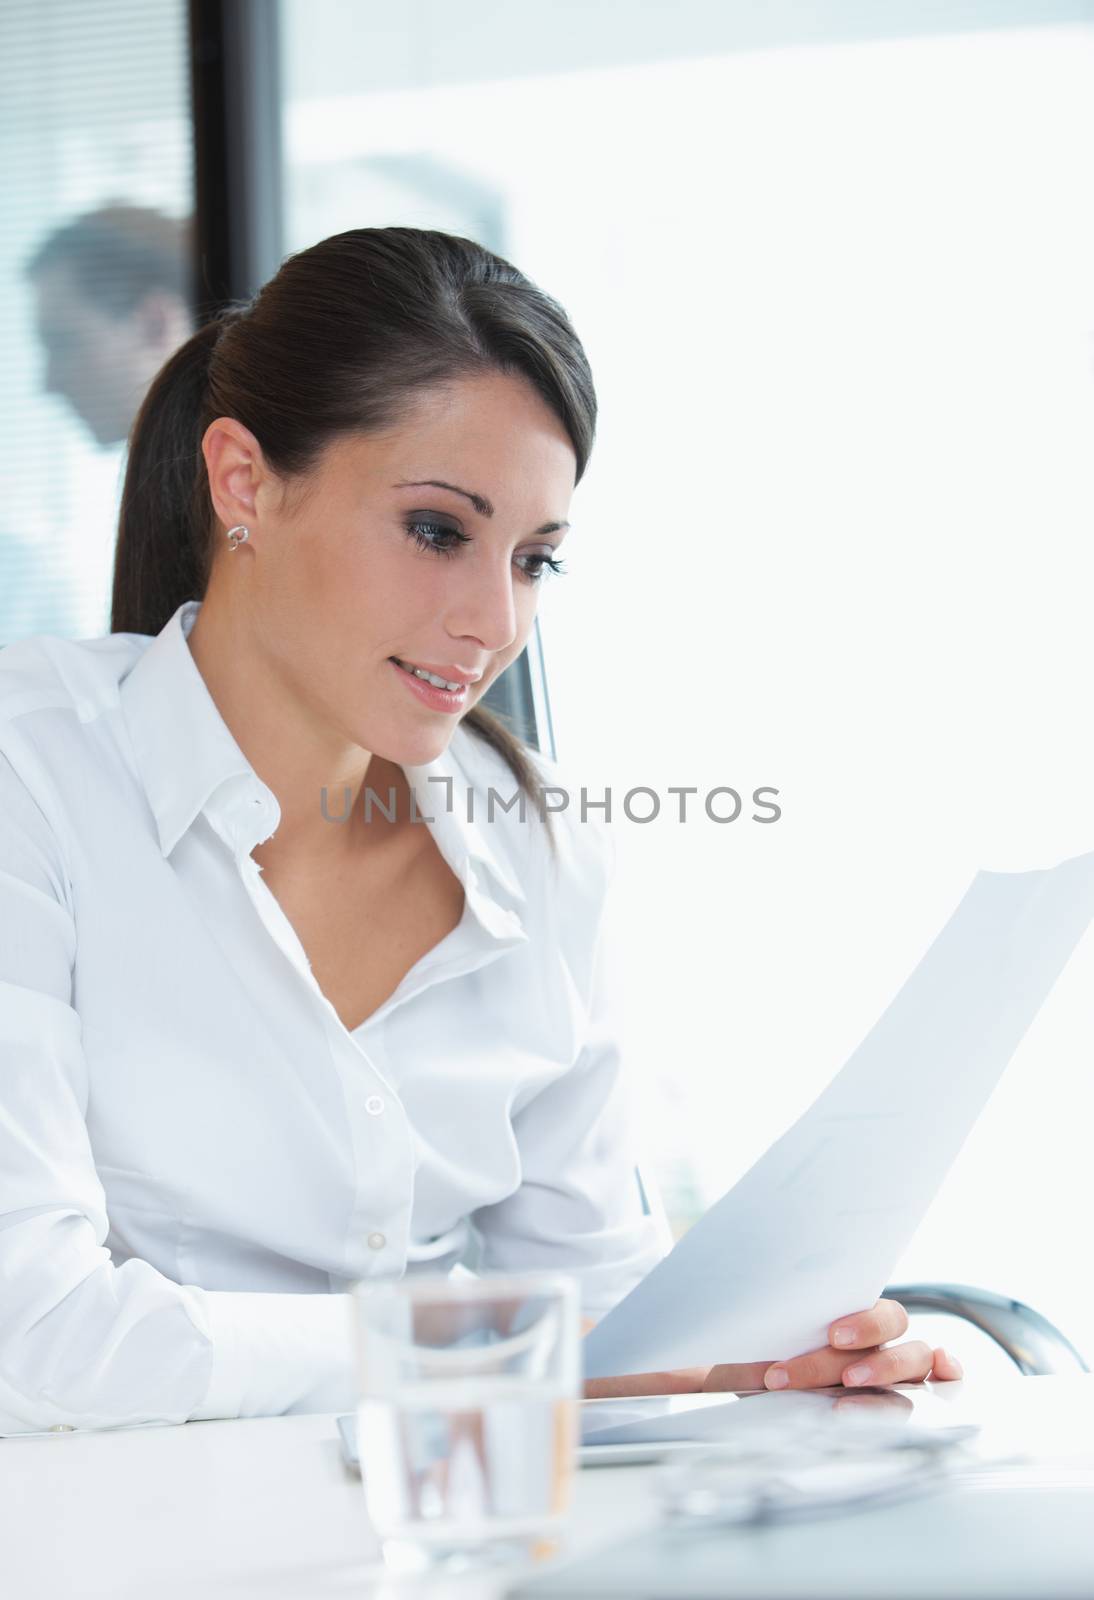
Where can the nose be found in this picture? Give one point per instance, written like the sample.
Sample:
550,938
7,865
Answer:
484,609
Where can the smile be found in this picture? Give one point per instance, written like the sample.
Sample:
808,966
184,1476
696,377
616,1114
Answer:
427,677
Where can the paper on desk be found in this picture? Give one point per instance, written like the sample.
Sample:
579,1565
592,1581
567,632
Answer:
814,1229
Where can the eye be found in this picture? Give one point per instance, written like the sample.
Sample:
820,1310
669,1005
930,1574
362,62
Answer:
445,541
432,536
543,565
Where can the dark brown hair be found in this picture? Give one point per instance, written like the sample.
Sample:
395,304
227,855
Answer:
343,339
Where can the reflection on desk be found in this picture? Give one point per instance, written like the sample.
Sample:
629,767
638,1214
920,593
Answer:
1011,1520
265,1507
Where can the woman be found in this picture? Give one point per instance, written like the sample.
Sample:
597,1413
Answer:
284,1007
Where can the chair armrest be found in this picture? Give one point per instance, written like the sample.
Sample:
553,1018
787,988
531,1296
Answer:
1030,1340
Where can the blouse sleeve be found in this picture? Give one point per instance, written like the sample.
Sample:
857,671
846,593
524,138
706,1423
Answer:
83,1342
580,1205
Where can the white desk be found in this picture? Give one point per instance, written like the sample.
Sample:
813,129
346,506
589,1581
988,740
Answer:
233,1510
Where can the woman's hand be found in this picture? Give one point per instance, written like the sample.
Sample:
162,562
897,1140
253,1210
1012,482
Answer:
852,1357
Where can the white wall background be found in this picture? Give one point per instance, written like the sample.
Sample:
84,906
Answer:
836,535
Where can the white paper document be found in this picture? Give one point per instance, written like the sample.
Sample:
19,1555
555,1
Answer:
814,1229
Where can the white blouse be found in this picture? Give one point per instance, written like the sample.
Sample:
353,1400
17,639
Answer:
197,1159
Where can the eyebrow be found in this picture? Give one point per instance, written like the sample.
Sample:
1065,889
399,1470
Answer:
479,501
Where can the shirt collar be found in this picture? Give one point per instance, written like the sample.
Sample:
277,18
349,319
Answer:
454,810
189,763
182,745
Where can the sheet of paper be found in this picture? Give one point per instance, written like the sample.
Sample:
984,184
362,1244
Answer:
814,1229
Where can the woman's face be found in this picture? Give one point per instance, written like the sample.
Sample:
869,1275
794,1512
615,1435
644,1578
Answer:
370,561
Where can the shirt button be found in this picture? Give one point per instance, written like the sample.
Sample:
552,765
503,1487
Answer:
376,1241
374,1104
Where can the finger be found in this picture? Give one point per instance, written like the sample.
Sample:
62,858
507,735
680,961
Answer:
818,1369
884,1321
909,1362
946,1367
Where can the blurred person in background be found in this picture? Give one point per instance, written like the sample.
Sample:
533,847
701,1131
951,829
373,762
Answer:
111,304
112,291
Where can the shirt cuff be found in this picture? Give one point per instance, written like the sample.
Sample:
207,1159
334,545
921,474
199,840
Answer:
278,1353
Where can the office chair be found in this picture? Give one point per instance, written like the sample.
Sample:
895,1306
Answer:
1032,1342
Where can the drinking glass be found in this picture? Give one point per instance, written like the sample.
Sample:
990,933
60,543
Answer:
467,1425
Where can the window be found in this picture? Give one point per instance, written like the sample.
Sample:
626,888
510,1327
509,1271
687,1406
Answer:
97,192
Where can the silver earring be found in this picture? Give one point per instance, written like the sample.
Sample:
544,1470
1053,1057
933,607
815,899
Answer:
237,535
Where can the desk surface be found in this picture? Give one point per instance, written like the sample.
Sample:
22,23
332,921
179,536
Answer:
237,1509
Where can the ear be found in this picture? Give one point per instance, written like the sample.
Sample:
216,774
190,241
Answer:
237,470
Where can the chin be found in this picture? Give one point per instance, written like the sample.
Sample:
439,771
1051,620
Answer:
414,747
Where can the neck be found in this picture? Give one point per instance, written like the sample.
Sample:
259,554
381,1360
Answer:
293,751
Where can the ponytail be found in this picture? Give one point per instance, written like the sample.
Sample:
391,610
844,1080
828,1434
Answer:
163,551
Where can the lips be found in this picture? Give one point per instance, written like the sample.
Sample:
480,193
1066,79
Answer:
450,701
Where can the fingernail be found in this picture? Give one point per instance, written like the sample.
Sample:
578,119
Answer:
860,1374
843,1336
776,1378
